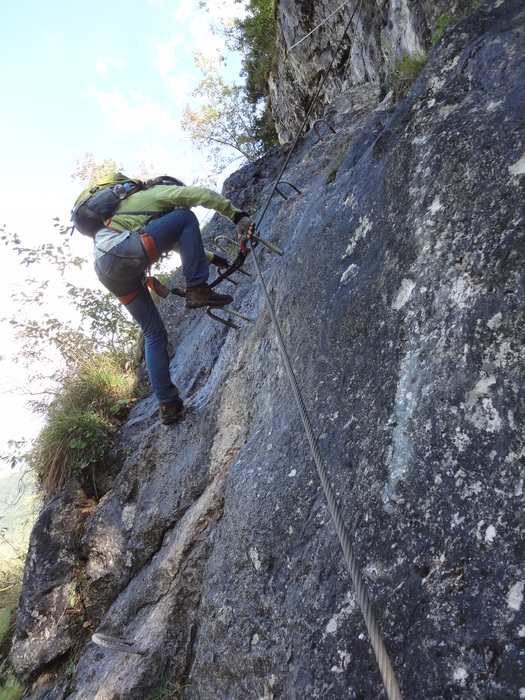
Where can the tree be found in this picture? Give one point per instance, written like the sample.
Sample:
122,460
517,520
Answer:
254,37
81,368
88,171
99,323
226,124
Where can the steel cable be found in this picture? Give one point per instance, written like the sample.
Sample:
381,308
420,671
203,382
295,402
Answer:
385,667
307,117
383,660
325,20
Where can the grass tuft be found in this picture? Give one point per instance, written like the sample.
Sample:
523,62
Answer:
12,690
10,587
336,162
80,420
406,72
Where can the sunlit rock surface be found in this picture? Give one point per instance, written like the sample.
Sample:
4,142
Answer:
400,297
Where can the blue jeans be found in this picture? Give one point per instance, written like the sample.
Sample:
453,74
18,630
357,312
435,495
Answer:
122,270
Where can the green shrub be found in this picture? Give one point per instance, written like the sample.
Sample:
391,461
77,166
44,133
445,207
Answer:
336,162
256,36
447,20
86,366
10,587
71,441
9,594
100,383
12,690
443,22
406,72
80,421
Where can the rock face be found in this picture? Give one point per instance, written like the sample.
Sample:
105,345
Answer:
370,35
400,298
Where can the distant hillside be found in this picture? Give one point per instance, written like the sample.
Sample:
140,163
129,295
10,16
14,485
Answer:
17,514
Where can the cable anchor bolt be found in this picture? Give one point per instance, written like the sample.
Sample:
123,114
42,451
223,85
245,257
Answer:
316,128
285,182
226,321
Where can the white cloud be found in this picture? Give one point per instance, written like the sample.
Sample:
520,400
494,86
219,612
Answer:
174,60
102,65
178,81
165,160
224,10
204,39
185,10
166,58
134,113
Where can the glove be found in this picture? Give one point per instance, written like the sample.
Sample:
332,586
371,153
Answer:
243,222
219,261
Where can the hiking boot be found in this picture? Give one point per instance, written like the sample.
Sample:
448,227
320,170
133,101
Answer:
170,410
202,295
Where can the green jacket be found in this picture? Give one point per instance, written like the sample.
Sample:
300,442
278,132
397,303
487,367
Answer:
167,198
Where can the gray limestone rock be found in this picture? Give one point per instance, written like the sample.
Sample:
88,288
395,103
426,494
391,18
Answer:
400,297
370,35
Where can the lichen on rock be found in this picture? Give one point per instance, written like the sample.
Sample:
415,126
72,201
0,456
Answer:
400,296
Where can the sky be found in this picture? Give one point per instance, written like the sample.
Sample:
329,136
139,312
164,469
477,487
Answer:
109,78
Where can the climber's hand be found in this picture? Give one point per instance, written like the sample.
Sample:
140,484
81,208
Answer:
248,230
243,222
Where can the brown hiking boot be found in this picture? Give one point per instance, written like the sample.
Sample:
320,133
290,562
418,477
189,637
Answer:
170,410
202,295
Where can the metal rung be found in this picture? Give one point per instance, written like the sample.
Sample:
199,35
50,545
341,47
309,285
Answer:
269,245
322,121
226,321
229,240
285,182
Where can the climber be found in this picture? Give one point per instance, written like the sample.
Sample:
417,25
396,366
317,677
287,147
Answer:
130,243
